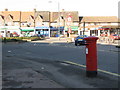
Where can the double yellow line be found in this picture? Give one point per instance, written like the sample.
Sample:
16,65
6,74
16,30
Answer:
114,74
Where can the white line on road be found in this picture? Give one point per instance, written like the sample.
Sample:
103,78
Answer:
114,74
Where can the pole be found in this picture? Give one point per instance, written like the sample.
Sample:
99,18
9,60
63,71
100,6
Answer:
69,31
64,26
34,20
84,28
58,20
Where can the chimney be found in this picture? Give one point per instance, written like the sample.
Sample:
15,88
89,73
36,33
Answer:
6,9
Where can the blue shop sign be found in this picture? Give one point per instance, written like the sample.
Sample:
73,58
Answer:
42,27
56,28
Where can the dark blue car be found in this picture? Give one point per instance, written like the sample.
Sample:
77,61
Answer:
79,40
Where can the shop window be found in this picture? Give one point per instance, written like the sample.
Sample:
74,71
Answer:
8,32
22,23
16,23
94,33
88,23
28,25
91,23
6,24
2,31
9,23
38,23
109,23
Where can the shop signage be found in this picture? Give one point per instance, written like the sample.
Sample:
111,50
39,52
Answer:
9,27
42,27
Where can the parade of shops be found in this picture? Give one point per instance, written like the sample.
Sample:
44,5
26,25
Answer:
50,24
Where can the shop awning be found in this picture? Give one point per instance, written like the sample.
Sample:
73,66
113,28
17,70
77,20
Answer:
91,27
111,26
73,28
56,28
9,27
42,27
25,30
3,28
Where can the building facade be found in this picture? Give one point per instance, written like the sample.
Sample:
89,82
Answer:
9,23
98,25
53,24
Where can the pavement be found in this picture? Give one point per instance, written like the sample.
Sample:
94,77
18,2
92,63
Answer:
27,78
20,73
71,40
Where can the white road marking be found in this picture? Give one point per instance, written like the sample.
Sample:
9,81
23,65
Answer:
114,74
65,64
9,51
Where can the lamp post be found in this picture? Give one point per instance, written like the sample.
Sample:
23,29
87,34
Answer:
59,20
83,28
35,16
58,5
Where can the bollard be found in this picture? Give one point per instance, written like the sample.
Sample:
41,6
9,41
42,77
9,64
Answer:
91,56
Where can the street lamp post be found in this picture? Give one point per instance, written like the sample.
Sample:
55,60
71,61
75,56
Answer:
34,20
83,28
59,20
58,4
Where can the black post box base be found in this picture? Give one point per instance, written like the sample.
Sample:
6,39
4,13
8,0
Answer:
91,73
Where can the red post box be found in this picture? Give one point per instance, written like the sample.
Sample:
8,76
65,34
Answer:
91,56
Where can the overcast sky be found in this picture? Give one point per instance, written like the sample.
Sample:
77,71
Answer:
84,7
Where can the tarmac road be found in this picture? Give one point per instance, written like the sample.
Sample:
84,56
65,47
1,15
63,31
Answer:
107,59
48,61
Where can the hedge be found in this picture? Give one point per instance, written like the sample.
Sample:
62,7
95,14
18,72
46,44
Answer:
20,38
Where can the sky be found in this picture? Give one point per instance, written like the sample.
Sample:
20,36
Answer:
84,7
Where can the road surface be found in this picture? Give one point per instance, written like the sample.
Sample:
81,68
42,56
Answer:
48,59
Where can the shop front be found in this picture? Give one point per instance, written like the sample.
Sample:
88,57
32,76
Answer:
27,31
74,30
108,30
83,31
9,31
55,31
43,30
91,30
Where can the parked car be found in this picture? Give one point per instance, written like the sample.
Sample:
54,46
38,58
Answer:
115,37
79,40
